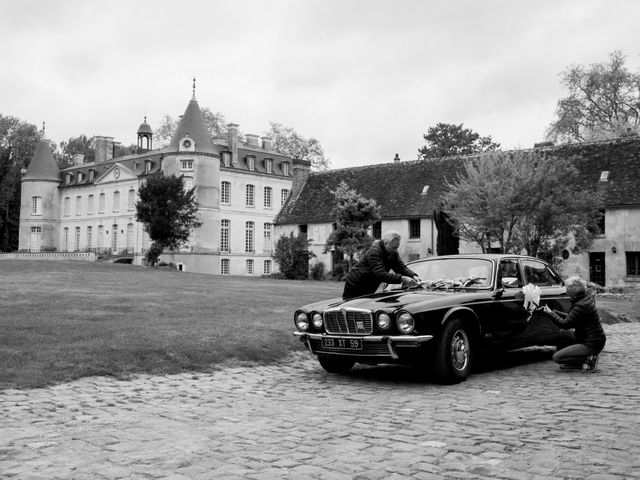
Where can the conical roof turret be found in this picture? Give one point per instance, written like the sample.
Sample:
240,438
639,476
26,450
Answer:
43,166
192,125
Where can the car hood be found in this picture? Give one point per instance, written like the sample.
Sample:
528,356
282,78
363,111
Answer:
406,299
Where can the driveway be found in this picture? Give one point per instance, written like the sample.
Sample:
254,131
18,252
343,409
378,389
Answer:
517,418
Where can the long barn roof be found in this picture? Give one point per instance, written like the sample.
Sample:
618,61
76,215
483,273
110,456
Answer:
398,187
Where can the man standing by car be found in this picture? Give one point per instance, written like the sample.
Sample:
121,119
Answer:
374,268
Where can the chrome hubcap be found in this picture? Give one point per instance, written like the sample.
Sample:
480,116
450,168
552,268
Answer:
460,350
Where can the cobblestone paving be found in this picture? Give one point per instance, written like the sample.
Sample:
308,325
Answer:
294,421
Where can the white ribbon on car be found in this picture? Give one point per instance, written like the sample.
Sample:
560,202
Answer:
531,298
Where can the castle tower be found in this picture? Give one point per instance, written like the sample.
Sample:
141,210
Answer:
40,202
145,137
195,157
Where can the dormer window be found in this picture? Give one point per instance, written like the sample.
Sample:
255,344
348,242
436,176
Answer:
285,169
187,144
604,176
80,176
251,163
268,165
226,158
92,174
68,178
148,164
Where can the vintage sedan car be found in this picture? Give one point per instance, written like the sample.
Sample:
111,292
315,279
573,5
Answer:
465,305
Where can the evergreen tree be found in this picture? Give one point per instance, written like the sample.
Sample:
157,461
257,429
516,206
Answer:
168,212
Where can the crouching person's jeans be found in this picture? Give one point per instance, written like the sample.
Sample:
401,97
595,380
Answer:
573,355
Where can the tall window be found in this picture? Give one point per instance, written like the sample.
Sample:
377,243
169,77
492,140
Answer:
114,238
224,266
116,201
78,205
36,205
90,204
414,228
130,237
268,165
36,239
76,246
284,194
267,267
249,238
250,197
101,203
267,237
285,169
100,236
65,239
633,263
225,224
601,222
67,206
131,204
89,238
249,267
267,197
251,163
225,193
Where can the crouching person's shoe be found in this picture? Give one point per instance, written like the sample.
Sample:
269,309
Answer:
591,364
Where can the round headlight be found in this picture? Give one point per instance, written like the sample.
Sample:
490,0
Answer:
384,321
317,320
302,321
406,323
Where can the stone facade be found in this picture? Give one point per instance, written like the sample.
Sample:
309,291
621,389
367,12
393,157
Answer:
90,207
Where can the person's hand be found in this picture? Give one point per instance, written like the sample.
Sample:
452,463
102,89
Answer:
546,309
409,281
417,279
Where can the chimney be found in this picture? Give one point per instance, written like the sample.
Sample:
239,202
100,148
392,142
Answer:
232,142
78,160
301,169
103,148
267,143
396,159
252,139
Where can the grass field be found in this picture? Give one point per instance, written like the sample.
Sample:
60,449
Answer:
65,320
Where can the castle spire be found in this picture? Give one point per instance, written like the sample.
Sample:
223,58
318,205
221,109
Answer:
194,89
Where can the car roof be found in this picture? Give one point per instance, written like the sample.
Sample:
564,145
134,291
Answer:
487,256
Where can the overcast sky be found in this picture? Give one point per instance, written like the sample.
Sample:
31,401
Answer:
367,78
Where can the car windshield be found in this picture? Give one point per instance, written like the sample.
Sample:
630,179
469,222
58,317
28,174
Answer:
451,273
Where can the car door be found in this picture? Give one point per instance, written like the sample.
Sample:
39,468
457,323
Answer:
552,293
507,317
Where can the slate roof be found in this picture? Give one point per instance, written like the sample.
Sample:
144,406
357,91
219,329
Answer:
192,124
397,187
43,166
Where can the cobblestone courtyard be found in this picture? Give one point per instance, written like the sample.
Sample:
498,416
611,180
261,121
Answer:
294,421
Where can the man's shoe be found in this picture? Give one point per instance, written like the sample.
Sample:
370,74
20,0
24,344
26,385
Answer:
591,364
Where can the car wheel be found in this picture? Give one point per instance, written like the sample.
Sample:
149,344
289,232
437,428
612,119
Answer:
335,364
453,353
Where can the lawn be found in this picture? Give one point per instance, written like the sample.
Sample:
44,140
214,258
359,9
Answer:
65,320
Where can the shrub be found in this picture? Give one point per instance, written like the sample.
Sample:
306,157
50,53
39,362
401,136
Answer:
317,271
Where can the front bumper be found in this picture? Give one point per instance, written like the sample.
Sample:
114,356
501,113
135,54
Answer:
383,346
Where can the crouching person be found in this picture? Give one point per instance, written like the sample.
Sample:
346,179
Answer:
583,317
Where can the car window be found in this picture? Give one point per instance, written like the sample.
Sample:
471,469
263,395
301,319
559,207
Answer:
539,274
468,272
509,270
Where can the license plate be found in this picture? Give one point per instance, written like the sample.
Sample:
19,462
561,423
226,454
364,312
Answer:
342,343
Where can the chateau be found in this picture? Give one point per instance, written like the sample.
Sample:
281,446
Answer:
90,207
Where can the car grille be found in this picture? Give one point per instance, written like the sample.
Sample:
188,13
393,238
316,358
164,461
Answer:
348,322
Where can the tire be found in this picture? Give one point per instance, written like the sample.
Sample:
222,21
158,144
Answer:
335,364
453,353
